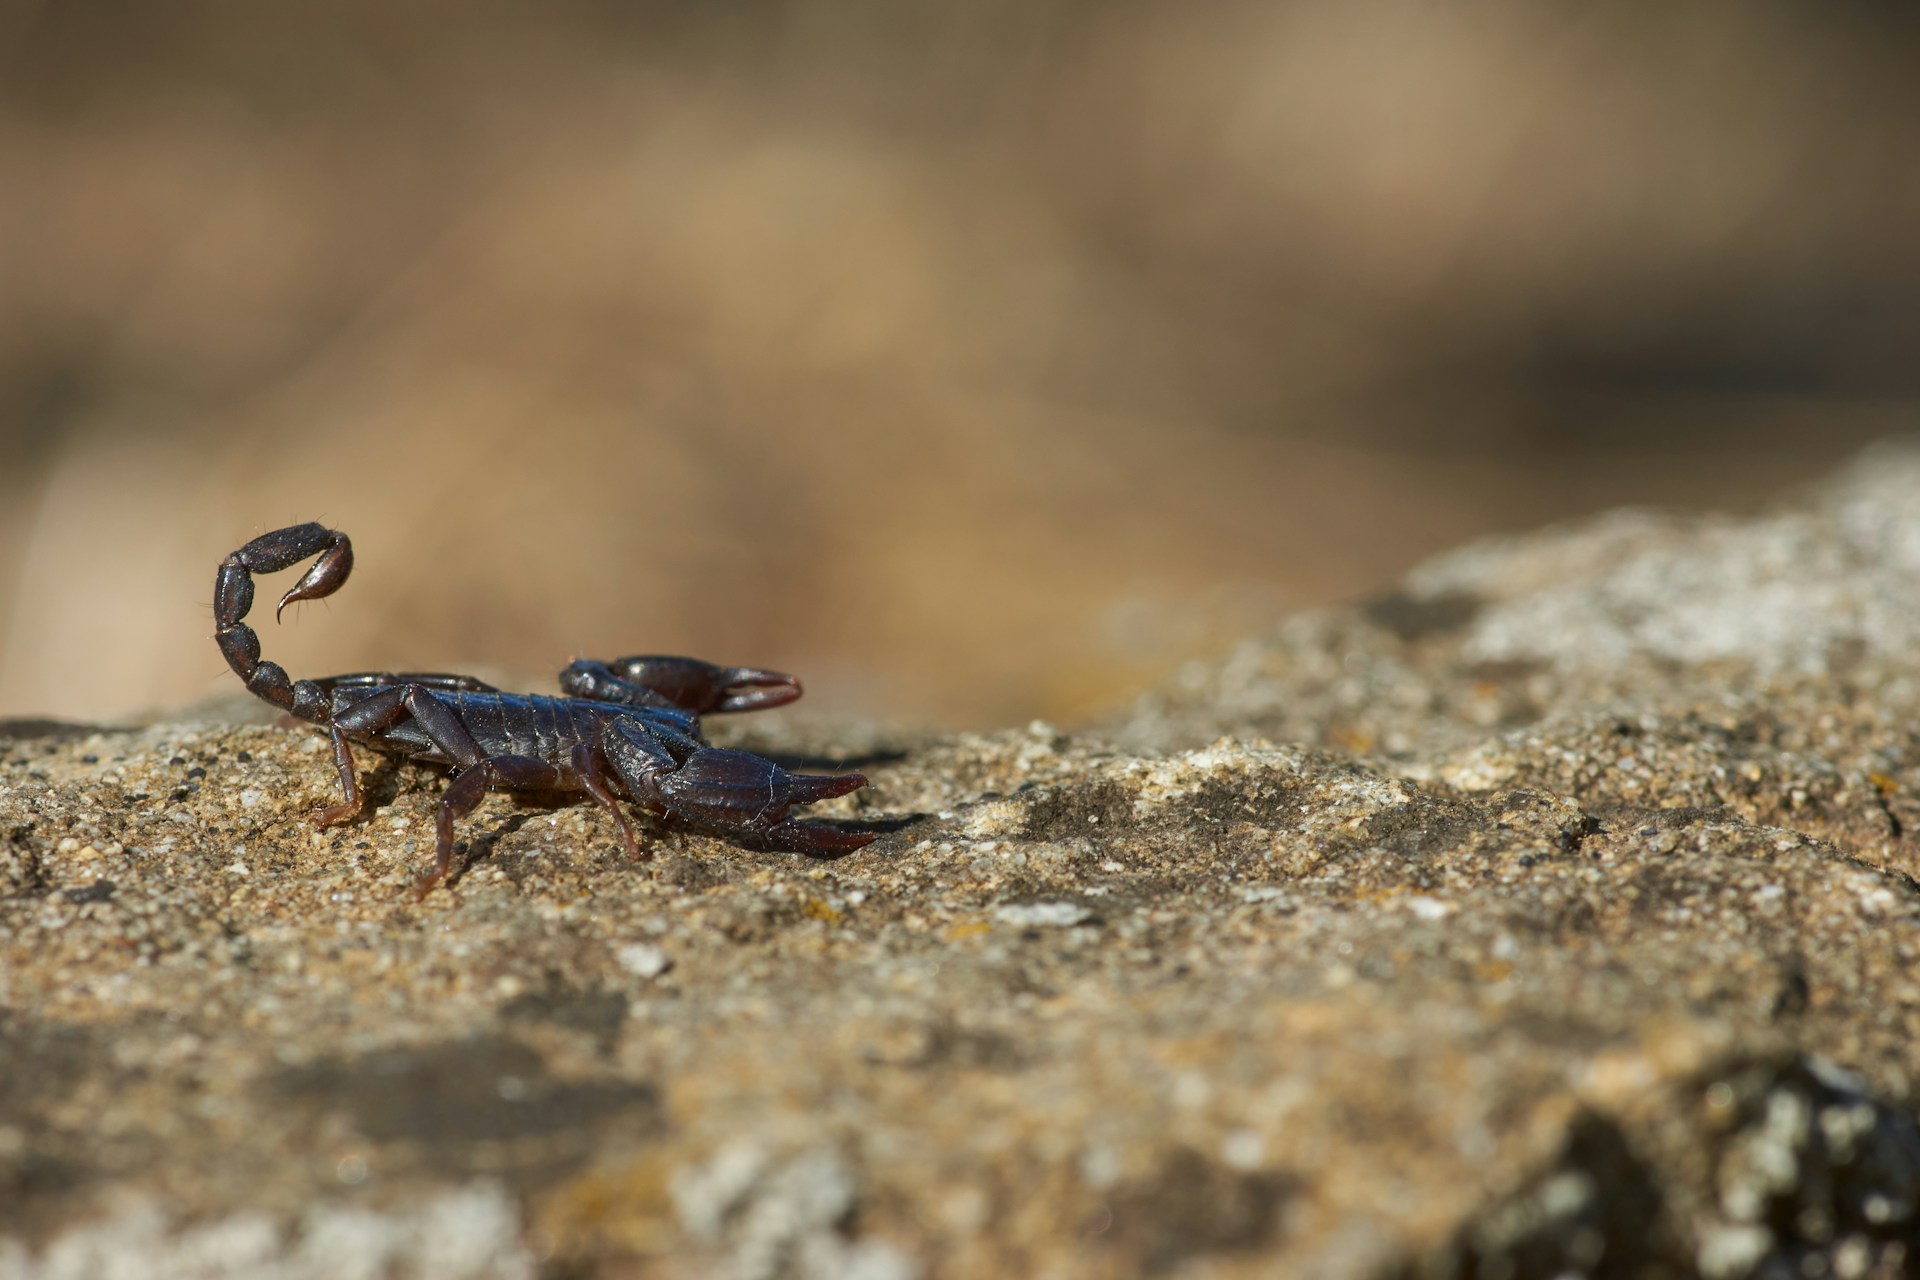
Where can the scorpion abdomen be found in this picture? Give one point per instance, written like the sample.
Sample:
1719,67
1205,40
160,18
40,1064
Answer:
527,724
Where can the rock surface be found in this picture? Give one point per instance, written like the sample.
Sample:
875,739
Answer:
1553,915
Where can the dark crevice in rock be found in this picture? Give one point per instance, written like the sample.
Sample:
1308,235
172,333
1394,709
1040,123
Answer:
1412,617
1596,1211
482,1104
1069,811
1191,1208
597,1012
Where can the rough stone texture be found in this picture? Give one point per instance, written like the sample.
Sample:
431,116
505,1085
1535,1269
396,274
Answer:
1551,916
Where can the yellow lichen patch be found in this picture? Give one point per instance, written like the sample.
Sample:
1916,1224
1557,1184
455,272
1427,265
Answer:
822,910
623,1209
967,929
1358,741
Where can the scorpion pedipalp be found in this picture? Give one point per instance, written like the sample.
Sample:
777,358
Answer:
685,684
744,797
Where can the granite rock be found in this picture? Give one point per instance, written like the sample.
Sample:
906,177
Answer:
1552,915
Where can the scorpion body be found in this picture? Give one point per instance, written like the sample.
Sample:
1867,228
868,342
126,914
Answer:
627,728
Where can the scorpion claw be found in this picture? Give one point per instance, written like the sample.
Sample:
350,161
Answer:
796,836
746,798
750,689
686,684
809,787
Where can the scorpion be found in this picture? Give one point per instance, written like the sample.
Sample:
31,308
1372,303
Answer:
628,727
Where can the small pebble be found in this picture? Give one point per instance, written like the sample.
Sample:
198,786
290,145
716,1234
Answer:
643,959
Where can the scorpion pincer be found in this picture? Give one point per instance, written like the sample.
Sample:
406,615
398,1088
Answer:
624,728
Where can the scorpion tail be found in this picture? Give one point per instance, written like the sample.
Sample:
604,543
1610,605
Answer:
233,597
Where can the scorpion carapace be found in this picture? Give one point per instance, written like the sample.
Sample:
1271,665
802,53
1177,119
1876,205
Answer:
629,727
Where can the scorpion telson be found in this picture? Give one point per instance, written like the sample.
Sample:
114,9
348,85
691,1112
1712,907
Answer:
628,727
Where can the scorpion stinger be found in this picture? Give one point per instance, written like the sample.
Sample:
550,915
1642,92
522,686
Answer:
629,726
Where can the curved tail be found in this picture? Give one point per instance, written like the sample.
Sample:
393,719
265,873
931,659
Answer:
233,596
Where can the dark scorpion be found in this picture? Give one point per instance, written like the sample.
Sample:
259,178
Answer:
629,727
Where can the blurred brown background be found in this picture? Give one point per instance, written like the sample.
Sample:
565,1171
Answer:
977,360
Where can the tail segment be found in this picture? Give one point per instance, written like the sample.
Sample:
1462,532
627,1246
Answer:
233,597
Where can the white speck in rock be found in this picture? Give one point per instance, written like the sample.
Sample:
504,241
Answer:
1191,1091
1732,1249
1028,915
643,959
1100,1167
1243,1150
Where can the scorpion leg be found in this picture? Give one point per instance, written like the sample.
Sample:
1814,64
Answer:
380,711
479,774
590,765
442,726
367,716
686,684
494,773
733,794
352,799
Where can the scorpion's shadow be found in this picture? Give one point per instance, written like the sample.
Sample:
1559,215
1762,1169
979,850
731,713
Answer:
383,783
469,854
822,762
